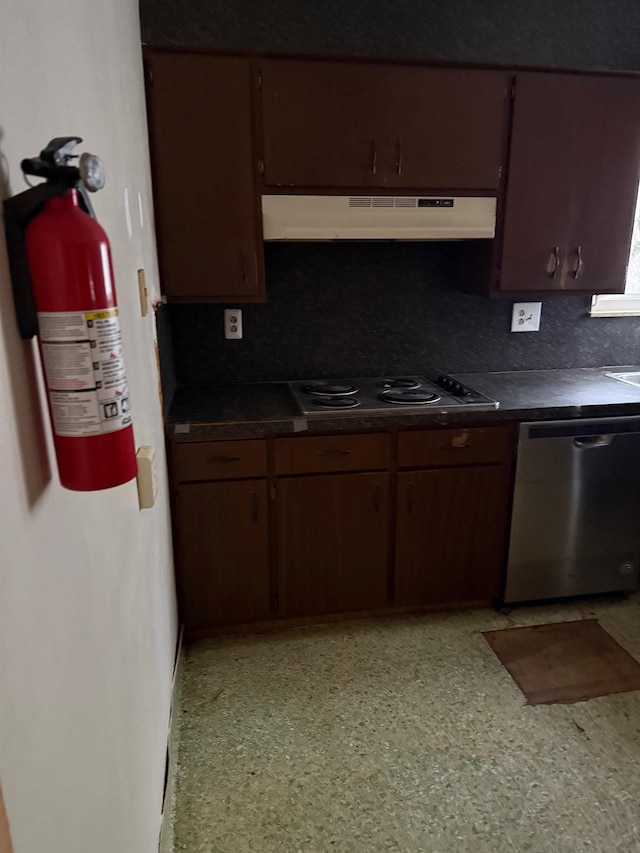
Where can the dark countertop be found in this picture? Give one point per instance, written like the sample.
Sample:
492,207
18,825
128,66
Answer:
545,394
258,408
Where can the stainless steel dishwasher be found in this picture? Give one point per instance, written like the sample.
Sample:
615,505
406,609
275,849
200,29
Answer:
575,526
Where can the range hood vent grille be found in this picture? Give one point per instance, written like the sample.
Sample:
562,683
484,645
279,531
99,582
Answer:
374,217
360,201
381,201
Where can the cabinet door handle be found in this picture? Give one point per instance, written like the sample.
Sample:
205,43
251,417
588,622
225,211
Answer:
243,265
333,452
399,157
374,157
410,497
254,506
376,497
576,271
554,261
224,459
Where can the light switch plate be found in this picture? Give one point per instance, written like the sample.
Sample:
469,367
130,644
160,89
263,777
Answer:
526,316
147,477
142,292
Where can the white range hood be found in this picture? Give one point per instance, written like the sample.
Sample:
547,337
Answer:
367,217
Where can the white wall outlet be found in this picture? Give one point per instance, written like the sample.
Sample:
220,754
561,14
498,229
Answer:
232,323
526,316
147,476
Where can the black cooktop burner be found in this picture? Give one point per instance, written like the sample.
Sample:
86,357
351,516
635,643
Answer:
408,397
330,389
401,382
337,402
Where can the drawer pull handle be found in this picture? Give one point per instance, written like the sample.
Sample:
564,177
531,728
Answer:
453,446
224,459
254,506
333,452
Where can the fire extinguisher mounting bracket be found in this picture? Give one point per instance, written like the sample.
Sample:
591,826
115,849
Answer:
53,165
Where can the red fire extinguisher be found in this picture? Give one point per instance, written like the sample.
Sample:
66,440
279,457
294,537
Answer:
69,264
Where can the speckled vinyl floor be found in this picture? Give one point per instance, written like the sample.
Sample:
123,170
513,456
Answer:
402,734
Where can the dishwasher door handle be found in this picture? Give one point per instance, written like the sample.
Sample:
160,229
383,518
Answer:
588,441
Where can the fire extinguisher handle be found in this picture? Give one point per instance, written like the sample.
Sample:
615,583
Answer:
59,149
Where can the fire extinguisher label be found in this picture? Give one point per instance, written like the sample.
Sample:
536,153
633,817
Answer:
84,367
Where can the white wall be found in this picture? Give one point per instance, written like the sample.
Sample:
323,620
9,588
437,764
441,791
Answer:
87,609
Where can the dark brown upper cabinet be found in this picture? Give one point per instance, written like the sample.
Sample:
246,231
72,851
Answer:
572,184
209,231
563,158
365,125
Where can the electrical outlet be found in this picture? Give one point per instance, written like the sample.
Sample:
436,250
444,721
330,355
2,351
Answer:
232,323
525,316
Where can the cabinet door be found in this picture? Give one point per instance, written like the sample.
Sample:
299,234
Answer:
223,552
451,530
319,124
573,178
201,146
447,127
340,124
333,543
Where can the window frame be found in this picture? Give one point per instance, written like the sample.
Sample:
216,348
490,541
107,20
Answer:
615,305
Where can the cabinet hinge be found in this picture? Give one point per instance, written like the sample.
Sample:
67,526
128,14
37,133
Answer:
261,167
273,493
500,170
259,81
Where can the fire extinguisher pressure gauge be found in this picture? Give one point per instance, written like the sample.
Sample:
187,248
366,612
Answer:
91,172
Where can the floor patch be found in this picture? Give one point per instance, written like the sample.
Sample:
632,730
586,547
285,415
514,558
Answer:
565,662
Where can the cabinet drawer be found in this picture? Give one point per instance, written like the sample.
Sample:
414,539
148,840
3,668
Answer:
318,454
220,460
452,447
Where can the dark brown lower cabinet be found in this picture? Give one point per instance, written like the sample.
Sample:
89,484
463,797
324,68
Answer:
451,529
323,542
223,552
333,539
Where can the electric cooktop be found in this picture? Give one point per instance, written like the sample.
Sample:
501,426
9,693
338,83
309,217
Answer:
431,391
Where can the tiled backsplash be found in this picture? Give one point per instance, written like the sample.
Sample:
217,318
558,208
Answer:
375,308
